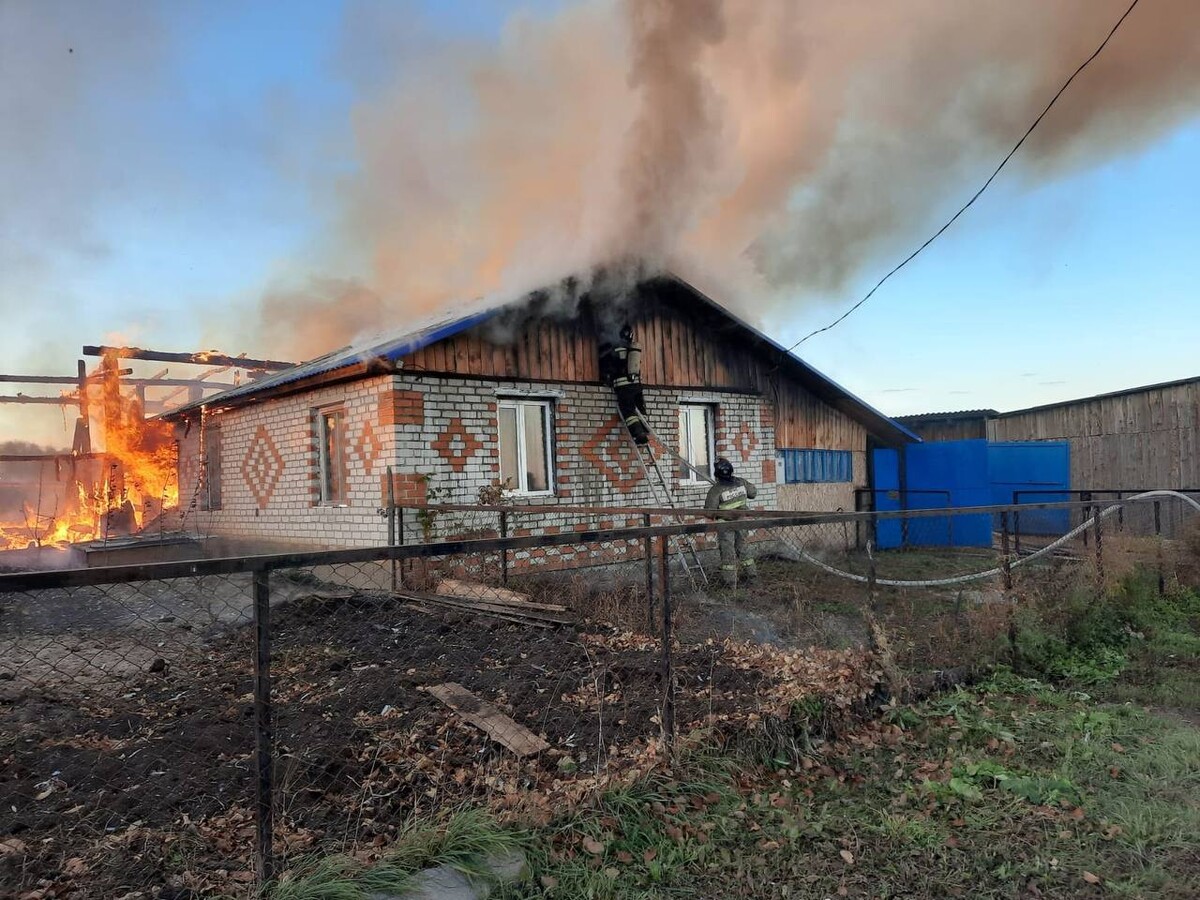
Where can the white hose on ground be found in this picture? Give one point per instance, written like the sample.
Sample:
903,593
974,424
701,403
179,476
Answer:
991,573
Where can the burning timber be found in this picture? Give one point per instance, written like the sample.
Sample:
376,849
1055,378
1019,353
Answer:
74,497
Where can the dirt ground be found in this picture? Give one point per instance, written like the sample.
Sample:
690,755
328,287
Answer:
142,783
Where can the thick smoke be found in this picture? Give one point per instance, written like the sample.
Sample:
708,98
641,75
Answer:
773,148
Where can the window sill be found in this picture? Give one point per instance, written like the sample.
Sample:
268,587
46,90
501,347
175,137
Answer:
331,506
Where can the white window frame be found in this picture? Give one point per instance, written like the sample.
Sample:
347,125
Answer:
521,488
709,411
323,460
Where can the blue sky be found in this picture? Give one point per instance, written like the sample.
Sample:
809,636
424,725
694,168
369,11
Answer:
175,158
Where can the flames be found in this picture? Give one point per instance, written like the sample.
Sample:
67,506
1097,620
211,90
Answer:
121,489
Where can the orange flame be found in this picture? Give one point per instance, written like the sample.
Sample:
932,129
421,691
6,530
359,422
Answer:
134,482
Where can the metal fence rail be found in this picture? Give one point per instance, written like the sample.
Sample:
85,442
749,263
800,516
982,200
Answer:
252,710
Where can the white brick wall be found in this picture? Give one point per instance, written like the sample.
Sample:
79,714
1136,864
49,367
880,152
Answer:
455,447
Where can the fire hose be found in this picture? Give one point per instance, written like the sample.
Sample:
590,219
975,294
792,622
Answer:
996,570
955,579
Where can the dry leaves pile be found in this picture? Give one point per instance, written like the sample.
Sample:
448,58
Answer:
393,759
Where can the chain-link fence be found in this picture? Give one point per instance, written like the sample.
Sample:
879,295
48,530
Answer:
194,727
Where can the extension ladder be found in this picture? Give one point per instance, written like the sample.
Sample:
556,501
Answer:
662,496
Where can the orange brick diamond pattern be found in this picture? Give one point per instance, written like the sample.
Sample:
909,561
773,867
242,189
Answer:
262,467
609,451
368,446
456,445
745,441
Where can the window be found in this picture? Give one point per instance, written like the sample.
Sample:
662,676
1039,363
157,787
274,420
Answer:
331,449
525,449
813,466
210,493
696,442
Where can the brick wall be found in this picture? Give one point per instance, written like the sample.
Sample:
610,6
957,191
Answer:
440,437
269,469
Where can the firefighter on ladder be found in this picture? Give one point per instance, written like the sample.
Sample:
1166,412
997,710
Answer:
730,492
621,369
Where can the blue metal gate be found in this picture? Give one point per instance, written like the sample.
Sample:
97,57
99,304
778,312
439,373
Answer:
966,473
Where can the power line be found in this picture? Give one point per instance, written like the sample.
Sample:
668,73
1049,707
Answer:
1017,146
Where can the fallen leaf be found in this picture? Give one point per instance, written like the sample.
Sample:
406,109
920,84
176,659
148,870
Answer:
12,847
848,857
1117,748
1090,878
549,881
75,866
625,856
593,846
649,855
612,873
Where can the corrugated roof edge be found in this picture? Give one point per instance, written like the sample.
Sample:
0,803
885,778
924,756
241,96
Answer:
953,414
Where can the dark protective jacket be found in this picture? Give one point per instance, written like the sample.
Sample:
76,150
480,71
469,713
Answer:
730,494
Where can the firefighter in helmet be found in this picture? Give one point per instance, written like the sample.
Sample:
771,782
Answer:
730,492
621,368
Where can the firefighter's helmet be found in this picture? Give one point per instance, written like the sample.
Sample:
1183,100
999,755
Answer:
627,334
724,469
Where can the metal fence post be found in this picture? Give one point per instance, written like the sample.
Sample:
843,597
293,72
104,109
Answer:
1006,561
1162,582
263,731
668,679
1099,545
391,521
871,577
648,553
1086,496
504,552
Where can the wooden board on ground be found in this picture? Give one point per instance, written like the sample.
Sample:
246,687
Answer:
537,617
472,590
495,724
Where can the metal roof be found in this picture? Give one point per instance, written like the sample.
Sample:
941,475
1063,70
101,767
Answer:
944,416
396,346
391,349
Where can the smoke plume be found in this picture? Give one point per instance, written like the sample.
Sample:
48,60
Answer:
773,148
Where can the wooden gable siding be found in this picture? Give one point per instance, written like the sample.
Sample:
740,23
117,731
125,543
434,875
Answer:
676,353
544,350
805,423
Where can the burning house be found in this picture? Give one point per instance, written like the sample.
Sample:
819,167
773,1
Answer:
512,395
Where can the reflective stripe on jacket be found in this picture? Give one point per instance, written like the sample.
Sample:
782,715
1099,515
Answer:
730,494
